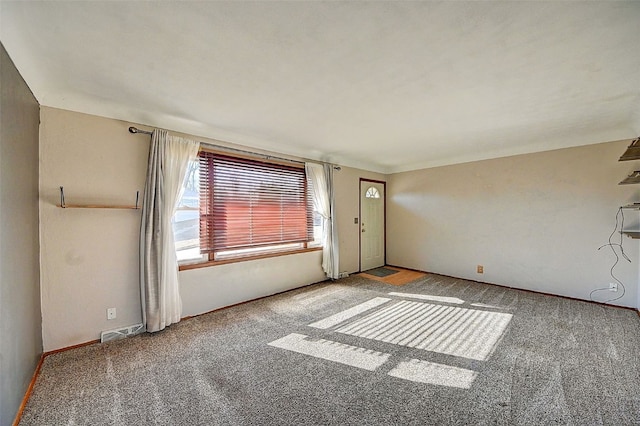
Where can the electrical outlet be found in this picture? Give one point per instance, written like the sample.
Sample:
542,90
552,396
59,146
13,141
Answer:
480,269
111,313
613,286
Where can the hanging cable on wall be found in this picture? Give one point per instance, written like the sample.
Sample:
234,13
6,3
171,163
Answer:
613,246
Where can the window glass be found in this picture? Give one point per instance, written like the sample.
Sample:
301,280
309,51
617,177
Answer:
372,192
186,220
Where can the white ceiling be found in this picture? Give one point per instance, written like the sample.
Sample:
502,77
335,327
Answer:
385,86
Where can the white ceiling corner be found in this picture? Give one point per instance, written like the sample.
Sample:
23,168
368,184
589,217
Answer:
384,86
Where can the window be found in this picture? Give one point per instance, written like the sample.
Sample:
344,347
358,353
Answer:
237,207
186,220
372,192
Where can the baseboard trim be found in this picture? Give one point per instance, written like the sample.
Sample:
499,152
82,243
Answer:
521,289
36,373
27,394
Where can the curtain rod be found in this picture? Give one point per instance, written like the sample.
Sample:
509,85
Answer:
266,156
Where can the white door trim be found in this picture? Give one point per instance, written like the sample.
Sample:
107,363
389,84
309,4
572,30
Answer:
364,181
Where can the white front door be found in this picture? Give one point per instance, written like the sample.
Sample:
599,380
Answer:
371,225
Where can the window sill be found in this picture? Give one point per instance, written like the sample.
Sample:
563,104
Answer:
208,263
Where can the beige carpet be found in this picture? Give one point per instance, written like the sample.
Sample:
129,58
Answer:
436,351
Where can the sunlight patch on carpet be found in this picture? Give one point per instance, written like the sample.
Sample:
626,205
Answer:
451,330
336,319
443,299
353,356
433,373
468,333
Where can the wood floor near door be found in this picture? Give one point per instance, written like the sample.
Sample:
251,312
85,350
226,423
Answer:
401,278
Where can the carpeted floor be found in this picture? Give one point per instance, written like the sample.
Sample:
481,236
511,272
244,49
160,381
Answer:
436,351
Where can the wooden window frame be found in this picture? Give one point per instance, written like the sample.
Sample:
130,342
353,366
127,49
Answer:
210,259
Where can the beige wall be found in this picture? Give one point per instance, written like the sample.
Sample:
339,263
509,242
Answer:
90,257
20,321
206,289
533,221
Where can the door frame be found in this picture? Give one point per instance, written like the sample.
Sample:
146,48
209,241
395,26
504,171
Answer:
384,233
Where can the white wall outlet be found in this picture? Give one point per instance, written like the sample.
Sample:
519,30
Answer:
613,286
111,313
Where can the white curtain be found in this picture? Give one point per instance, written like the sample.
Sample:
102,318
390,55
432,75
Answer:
169,157
321,178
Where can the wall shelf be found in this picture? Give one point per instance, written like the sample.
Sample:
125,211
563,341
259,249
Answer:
634,206
632,179
97,206
632,152
631,234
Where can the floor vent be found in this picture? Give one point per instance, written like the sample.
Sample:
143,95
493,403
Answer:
121,333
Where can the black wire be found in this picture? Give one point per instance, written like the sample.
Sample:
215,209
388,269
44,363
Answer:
612,246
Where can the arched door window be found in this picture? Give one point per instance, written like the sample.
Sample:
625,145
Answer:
372,192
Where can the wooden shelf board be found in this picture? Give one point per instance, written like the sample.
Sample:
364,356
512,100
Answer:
632,234
98,206
632,179
632,152
64,205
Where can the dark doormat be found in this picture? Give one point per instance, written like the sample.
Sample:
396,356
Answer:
381,272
